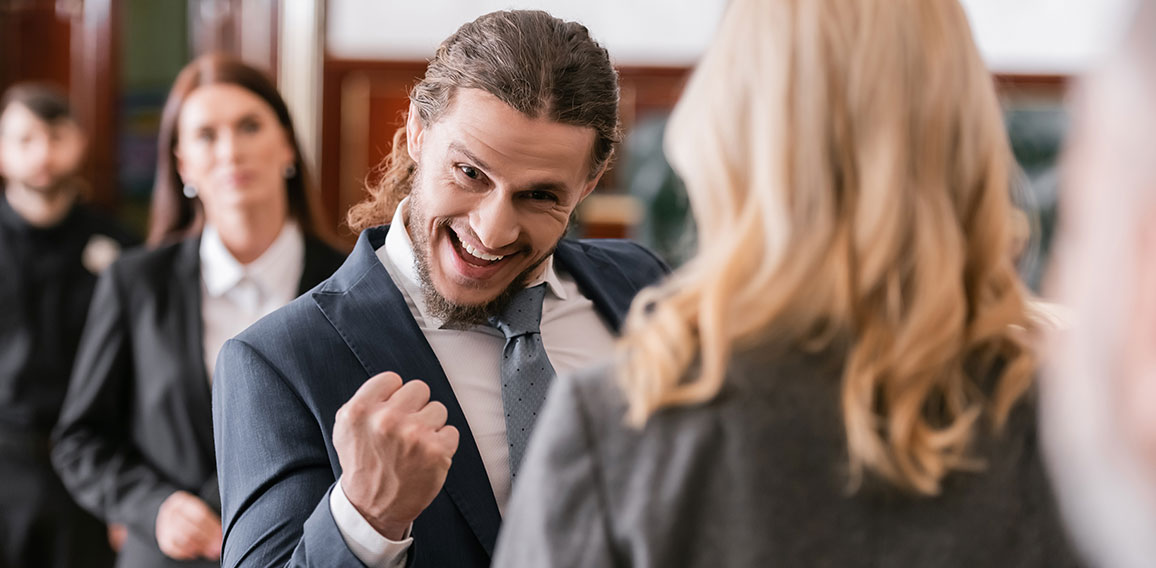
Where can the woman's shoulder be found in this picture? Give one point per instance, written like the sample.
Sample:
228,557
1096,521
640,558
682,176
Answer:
145,266
323,254
760,400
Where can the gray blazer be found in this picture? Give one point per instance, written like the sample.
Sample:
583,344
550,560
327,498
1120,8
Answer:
758,477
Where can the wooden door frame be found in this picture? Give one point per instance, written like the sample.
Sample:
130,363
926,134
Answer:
95,93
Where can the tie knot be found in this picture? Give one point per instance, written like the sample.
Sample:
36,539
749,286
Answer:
523,314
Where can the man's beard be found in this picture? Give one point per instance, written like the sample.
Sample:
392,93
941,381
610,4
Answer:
55,186
454,315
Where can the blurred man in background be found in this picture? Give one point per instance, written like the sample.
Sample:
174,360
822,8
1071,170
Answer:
51,248
1099,398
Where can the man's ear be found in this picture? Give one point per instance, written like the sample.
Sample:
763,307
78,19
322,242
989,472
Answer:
590,185
414,133
82,143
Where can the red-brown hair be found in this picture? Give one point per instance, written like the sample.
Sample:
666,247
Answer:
174,216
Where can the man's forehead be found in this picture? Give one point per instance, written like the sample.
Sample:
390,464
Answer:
482,127
19,114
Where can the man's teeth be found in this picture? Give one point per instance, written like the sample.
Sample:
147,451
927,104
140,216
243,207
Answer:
478,254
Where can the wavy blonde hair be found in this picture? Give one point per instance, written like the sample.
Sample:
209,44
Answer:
849,172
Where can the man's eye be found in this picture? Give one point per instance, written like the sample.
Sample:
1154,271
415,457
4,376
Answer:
543,196
470,172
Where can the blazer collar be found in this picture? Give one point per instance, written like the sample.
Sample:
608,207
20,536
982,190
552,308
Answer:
599,279
187,273
321,261
186,282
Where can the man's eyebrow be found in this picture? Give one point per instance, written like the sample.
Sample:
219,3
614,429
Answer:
545,185
548,186
457,147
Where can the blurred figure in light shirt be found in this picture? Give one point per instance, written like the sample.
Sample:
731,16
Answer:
1099,414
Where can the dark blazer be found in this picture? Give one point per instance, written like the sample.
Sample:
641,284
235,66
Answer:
279,384
758,477
137,422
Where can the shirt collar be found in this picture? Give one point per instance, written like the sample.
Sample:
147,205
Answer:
399,251
220,271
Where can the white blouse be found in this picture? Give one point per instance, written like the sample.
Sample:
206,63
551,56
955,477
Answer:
235,295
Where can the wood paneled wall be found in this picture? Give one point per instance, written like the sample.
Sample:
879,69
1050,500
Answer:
34,43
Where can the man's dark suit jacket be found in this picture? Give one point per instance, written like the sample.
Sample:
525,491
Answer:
136,424
279,384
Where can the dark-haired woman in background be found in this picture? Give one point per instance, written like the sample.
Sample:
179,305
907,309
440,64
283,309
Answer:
233,237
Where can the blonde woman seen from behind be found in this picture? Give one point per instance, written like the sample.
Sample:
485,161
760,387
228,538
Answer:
841,376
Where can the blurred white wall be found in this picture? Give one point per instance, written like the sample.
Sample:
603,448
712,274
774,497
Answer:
1015,36
636,32
1046,36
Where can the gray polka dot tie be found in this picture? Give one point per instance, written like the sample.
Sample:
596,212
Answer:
526,370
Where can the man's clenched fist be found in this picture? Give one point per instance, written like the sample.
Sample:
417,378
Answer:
395,450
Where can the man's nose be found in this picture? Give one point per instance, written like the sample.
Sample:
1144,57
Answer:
495,220
39,152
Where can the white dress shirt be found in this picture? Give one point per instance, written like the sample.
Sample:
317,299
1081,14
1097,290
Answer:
235,295
575,337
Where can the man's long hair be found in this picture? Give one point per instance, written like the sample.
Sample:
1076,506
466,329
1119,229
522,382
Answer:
849,172
539,65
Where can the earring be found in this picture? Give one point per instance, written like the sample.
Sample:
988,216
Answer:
290,171
189,191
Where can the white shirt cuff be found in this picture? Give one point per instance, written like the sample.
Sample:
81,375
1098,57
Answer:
368,545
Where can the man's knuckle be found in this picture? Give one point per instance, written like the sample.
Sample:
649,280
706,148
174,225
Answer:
385,423
410,433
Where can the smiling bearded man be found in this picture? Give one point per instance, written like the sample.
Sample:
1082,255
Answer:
382,417
479,257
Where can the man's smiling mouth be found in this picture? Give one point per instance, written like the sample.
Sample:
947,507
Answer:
481,255
471,255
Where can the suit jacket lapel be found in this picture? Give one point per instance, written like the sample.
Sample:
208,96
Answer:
187,313
320,262
367,309
599,279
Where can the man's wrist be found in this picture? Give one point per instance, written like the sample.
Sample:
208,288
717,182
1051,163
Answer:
389,528
366,542
393,531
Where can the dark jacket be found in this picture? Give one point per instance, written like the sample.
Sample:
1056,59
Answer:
758,477
45,289
137,421
279,384
47,276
